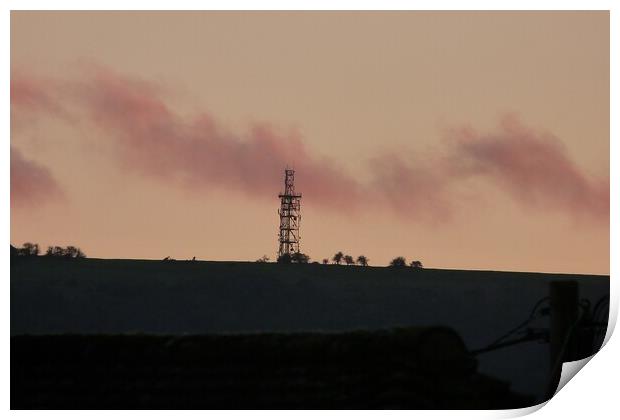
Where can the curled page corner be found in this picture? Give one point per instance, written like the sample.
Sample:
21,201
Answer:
518,412
569,370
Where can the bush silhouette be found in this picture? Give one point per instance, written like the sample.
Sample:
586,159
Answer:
297,258
284,259
416,264
28,250
338,257
398,262
362,260
68,252
300,258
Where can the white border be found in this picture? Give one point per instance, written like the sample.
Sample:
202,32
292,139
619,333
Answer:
308,5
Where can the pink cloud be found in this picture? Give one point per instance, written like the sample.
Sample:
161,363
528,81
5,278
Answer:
532,167
199,153
30,95
412,189
32,184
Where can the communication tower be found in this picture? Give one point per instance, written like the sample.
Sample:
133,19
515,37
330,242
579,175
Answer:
289,216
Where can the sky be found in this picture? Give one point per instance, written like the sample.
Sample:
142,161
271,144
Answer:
474,140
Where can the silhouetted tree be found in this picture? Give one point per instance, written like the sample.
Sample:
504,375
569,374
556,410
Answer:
416,264
398,262
263,259
349,259
338,257
58,251
29,250
284,259
362,260
325,261
300,258
70,252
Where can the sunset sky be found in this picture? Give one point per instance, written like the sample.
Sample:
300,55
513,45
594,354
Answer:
462,139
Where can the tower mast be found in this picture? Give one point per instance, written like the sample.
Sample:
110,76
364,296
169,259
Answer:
290,216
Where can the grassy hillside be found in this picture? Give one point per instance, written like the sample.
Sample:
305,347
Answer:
92,296
51,295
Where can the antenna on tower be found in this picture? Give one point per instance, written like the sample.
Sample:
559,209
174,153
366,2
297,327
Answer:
290,204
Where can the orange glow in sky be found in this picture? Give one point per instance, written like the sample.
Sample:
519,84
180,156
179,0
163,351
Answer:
462,139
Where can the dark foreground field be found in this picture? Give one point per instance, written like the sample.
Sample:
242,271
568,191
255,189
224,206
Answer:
409,368
123,333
